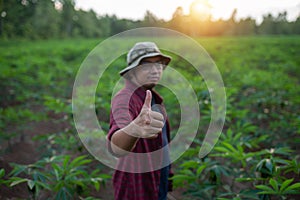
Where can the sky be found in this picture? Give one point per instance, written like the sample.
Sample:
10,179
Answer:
164,9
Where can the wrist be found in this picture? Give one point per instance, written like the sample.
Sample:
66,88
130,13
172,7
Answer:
132,130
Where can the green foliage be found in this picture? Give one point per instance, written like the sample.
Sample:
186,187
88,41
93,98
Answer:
44,19
66,178
256,157
280,189
255,154
36,89
3,181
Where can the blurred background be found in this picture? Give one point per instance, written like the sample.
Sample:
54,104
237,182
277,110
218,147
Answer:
34,19
255,45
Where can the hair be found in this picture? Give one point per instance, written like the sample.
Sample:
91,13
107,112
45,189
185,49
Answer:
128,75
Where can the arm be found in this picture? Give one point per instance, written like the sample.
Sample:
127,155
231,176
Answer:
121,142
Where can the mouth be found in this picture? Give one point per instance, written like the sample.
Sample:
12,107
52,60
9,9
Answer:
153,78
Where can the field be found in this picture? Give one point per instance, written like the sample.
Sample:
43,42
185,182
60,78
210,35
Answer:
256,156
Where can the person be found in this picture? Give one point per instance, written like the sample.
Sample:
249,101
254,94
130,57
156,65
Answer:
137,127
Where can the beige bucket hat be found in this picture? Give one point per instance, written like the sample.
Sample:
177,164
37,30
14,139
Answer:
140,51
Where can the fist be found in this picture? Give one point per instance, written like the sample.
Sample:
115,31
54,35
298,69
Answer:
148,123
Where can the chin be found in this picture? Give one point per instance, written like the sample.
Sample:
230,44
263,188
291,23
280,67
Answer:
149,86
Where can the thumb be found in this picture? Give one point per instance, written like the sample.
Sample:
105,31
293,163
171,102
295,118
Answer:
147,102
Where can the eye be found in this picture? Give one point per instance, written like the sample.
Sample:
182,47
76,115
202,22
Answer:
145,62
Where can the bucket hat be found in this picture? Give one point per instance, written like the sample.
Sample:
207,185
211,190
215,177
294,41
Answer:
143,50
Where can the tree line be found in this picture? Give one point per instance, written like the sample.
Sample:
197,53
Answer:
42,19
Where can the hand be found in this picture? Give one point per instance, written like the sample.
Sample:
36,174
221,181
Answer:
148,123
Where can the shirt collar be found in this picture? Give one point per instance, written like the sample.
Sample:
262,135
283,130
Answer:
141,92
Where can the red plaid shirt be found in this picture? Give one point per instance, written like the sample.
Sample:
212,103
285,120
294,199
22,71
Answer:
126,106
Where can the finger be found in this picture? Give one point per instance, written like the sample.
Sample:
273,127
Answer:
157,116
147,102
157,124
153,136
159,108
153,130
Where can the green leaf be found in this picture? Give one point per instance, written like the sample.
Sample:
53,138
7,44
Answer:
281,161
79,182
17,169
269,165
189,164
237,136
181,177
283,151
30,184
43,185
2,173
66,161
292,187
266,192
221,149
73,176
245,179
79,161
274,184
264,188
285,184
104,176
200,169
96,183
229,146
17,181
240,148
56,170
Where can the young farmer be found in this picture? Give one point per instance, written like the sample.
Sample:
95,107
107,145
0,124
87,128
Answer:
135,128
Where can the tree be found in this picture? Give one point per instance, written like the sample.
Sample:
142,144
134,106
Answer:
87,24
232,24
67,16
150,19
245,27
296,26
178,21
16,16
2,15
45,20
268,25
105,26
282,25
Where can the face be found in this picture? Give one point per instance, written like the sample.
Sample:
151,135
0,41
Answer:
148,73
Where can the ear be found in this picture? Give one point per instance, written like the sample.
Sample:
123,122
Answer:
128,75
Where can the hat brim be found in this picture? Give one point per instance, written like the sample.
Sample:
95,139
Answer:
166,60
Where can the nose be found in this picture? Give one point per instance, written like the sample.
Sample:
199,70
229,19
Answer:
154,69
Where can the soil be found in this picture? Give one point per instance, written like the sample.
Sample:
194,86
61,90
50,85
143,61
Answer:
25,150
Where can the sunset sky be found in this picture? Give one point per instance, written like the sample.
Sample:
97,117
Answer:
163,9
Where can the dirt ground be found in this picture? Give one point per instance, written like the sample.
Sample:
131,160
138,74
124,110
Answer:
23,150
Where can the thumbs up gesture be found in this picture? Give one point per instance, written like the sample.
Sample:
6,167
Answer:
148,123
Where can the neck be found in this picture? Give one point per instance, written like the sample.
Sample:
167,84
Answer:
145,87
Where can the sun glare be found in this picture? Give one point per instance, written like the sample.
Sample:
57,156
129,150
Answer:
223,9
200,9
211,9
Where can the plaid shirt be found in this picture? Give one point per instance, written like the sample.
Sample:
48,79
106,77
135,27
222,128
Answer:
126,106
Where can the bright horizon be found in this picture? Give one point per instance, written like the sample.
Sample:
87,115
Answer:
164,9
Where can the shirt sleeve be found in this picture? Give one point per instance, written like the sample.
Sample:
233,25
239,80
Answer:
120,115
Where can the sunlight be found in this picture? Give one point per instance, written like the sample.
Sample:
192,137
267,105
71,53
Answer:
213,9
58,5
223,9
200,9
